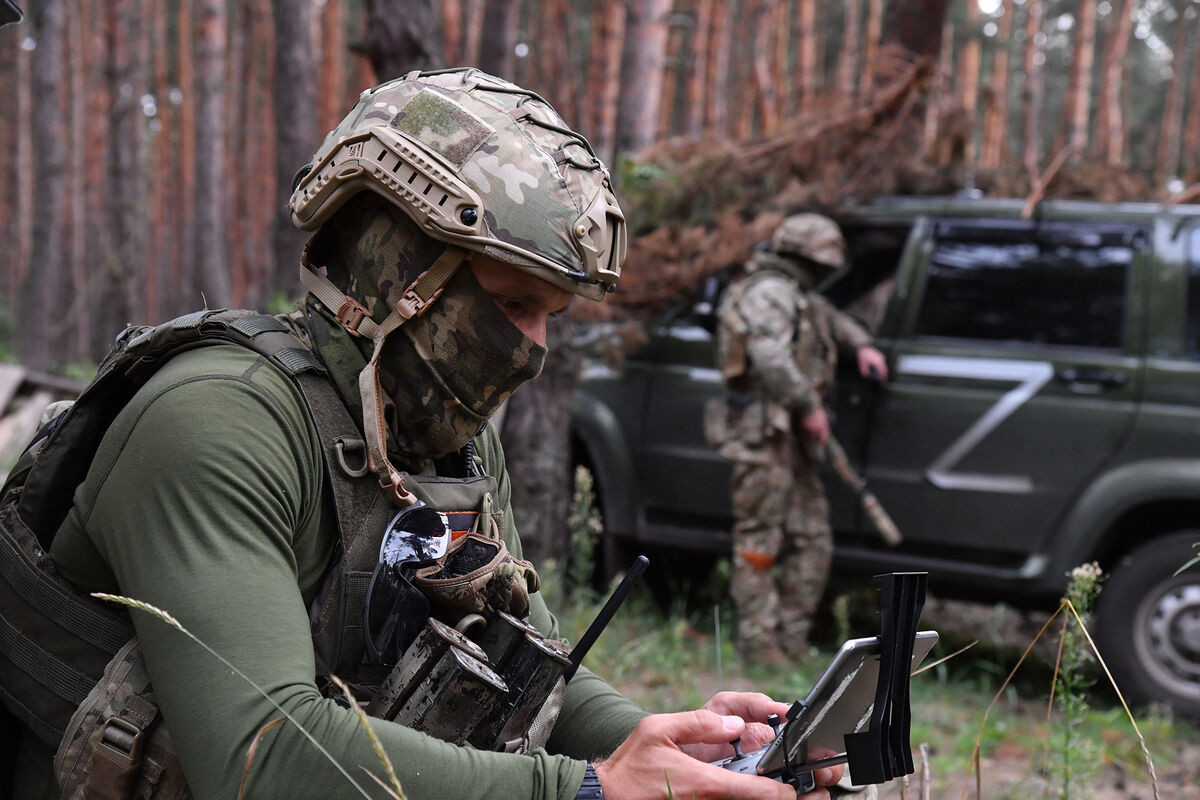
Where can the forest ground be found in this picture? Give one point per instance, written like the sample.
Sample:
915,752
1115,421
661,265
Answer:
669,660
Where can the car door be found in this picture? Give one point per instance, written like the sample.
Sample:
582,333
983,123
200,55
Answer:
1011,383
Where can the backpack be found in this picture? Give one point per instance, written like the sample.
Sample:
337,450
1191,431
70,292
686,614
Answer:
58,645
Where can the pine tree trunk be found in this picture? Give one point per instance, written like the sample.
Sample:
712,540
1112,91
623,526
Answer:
212,281
742,73
10,125
605,69
672,59
397,43
995,127
500,26
76,187
188,257
331,76
1113,131
1080,91
781,70
42,305
806,53
847,78
968,78
1171,134
1034,89
642,69
296,135
938,90
871,48
697,84
768,106
716,119
556,61
473,32
1190,153
452,32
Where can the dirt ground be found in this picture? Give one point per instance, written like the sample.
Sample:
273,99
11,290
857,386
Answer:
948,717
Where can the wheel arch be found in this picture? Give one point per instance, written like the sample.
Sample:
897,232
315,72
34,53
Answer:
1125,507
598,440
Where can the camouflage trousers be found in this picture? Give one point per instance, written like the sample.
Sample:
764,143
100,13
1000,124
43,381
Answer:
782,550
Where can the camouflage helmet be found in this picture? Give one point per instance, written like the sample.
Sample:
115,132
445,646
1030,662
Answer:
478,163
811,236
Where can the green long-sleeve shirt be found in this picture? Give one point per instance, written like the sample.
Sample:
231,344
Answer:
208,498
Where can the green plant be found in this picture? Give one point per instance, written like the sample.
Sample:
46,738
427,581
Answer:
584,529
1076,755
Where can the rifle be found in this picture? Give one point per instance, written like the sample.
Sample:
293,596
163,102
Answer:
879,518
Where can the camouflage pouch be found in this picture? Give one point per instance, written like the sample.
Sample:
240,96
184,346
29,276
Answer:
478,576
116,746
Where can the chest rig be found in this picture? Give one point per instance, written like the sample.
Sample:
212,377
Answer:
70,668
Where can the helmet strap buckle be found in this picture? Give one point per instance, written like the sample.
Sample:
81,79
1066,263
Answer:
351,315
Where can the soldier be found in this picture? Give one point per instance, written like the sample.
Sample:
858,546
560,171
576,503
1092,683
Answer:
777,345
454,213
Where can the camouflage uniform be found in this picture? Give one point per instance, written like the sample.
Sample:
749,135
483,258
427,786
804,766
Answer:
777,348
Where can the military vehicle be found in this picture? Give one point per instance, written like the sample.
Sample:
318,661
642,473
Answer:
1043,411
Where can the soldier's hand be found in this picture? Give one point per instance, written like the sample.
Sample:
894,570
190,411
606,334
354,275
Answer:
753,708
872,364
816,426
654,753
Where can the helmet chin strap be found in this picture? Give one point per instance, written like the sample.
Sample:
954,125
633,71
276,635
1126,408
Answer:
356,319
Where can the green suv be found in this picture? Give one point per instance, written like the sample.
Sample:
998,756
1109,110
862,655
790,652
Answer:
1043,411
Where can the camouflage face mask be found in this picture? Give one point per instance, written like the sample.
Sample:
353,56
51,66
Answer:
443,373
447,371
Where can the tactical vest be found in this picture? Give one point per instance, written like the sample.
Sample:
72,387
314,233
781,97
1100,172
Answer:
70,668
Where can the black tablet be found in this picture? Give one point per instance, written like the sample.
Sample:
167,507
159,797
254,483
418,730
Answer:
839,703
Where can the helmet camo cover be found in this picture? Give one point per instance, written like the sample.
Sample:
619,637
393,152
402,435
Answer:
479,163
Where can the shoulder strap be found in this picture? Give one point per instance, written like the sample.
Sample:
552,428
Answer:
66,452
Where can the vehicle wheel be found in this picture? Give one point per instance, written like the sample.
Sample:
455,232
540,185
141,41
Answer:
1148,623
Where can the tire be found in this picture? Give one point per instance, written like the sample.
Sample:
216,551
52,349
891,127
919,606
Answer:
1148,623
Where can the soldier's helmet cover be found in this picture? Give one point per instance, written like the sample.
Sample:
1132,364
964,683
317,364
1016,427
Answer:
809,236
481,164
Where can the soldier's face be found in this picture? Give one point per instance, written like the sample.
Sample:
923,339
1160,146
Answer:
528,302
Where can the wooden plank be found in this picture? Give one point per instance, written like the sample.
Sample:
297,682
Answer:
11,378
17,428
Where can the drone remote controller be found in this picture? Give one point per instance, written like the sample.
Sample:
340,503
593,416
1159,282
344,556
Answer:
747,763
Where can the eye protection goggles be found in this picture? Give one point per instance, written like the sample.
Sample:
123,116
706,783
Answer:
394,610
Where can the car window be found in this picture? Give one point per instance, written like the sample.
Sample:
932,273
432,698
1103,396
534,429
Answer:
866,287
1033,286
1193,292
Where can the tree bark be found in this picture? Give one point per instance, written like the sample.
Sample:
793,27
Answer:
716,116
697,94
188,257
42,304
847,77
452,32
296,135
1191,128
332,91
77,344
873,35
968,78
474,32
1034,87
995,126
605,69
764,86
806,53
536,438
11,87
938,90
643,59
1079,90
496,48
398,43
212,281
1172,123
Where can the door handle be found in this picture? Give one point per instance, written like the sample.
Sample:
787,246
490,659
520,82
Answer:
1095,376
